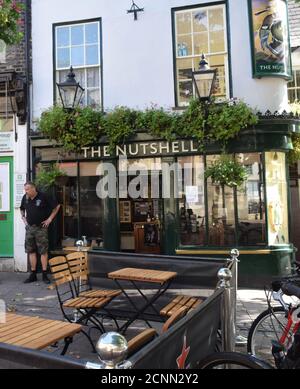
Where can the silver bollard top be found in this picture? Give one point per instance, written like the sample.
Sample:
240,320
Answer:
224,274
79,245
112,349
234,253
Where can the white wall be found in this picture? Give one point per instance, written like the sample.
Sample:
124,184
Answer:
20,166
137,55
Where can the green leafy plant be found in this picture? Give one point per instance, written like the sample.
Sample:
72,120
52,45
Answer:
205,123
294,154
227,171
10,19
73,130
226,120
47,176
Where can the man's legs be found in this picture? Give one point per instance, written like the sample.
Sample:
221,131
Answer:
44,261
33,261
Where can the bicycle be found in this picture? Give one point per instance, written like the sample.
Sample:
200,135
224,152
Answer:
285,350
277,324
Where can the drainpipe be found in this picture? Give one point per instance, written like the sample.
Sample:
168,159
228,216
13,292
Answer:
28,81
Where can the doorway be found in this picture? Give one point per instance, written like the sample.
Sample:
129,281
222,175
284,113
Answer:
141,210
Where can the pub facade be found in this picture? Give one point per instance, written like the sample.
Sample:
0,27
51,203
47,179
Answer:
150,195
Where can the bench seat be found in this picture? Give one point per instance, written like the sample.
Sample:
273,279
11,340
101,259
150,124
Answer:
180,301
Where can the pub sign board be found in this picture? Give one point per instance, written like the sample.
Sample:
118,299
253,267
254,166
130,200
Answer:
269,35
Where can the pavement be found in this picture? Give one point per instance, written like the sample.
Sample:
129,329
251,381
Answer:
39,299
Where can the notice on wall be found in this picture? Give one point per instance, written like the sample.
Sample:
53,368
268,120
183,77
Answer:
6,141
191,194
4,187
20,179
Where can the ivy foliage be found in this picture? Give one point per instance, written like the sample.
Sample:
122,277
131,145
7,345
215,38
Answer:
294,154
10,19
203,122
227,171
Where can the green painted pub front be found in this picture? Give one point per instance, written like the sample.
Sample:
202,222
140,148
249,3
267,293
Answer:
203,220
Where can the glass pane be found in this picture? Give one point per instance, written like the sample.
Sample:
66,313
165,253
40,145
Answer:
191,203
200,21
93,98
291,84
298,78
77,56
76,35
216,42
70,201
92,77
80,76
184,67
185,91
183,23
291,95
298,94
276,198
92,55
251,203
63,37
200,43
216,20
91,33
184,45
6,125
220,212
63,58
91,206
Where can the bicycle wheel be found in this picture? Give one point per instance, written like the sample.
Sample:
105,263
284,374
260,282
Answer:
266,327
232,360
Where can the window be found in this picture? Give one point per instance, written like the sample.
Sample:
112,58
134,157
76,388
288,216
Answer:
79,45
200,30
294,87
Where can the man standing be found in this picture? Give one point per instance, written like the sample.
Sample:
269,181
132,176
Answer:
37,211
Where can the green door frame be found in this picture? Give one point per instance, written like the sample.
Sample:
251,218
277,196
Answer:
7,218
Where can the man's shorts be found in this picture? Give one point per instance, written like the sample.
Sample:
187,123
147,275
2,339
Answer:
36,239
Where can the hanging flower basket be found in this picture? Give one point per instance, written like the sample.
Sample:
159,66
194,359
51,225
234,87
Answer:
227,171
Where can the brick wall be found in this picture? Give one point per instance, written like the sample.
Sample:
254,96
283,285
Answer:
16,54
294,22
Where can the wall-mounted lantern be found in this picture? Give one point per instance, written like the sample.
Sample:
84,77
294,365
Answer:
204,79
70,91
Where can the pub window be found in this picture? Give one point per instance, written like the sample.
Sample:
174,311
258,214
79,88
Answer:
191,201
79,45
294,87
200,30
251,203
221,217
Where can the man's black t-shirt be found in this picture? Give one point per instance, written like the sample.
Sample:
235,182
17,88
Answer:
38,209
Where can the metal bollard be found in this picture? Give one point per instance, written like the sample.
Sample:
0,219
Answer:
112,350
227,314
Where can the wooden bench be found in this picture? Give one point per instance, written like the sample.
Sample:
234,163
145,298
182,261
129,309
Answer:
188,302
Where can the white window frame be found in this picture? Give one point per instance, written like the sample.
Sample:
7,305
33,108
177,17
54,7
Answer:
207,55
296,87
80,67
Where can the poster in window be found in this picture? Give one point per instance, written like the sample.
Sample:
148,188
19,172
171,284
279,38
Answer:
4,187
125,212
270,38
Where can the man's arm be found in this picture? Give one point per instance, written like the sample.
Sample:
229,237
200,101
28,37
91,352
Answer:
46,222
23,216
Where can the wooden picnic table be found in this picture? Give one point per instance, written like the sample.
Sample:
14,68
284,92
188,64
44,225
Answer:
162,279
35,332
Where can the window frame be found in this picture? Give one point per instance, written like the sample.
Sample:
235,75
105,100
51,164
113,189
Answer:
296,87
227,64
85,67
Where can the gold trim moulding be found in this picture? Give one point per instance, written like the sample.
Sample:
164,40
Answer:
227,252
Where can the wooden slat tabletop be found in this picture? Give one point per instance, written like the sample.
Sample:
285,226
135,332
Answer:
35,332
146,275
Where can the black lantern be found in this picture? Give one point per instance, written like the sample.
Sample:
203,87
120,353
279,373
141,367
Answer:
204,79
70,91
